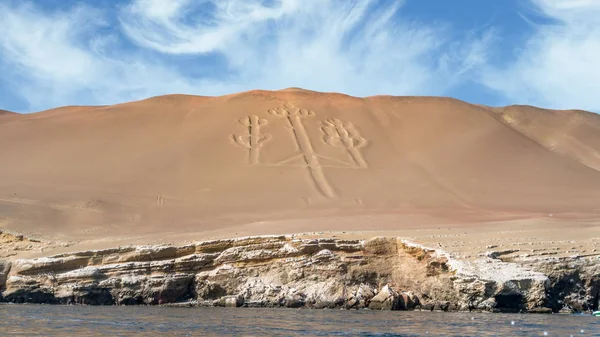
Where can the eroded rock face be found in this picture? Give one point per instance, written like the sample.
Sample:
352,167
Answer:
573,283
4,269
283,271
386,299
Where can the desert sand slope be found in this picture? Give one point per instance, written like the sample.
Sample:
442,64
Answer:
265,162
572,133
6,113
6,116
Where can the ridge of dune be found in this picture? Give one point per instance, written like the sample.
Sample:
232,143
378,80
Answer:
272,162
8,116
574,134
6,112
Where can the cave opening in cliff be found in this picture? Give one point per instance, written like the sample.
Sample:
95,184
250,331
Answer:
509,302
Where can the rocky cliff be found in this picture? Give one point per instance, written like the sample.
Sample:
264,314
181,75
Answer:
293,271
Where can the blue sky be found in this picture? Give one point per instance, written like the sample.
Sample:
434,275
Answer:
493,52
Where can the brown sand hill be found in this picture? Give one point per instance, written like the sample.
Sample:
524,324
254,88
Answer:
264,162
574,134
6,113
6,116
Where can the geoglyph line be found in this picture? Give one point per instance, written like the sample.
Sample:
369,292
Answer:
253,140
337,133
340,133
294,116
290,162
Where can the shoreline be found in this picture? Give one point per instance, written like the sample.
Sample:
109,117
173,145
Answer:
188,305
380,273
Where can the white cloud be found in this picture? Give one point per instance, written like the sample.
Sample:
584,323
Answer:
58,58
559,67
358,47
164,25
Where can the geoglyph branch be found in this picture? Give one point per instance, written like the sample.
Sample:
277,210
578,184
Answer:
340,133
253,140
294,117
337,133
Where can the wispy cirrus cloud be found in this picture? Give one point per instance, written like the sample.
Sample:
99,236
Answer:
357,47
559,66
65,57
98,55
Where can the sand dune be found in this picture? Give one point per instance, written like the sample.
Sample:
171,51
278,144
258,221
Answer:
263,162
574,134
6,113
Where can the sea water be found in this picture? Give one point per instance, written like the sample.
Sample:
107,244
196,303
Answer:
55,320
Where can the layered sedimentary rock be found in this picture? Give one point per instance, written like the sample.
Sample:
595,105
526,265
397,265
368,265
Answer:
288,271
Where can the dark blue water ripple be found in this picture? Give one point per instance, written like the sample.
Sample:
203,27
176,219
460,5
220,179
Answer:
43,320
